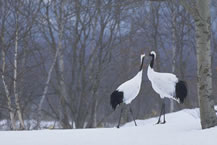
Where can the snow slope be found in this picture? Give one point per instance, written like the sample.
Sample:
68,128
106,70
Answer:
182,128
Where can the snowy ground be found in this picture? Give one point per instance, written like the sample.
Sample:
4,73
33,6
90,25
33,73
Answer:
182,128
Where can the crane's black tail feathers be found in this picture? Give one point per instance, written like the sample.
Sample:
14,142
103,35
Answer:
116,99
181,91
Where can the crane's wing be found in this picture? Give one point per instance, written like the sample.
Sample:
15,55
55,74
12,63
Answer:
131,87
164,83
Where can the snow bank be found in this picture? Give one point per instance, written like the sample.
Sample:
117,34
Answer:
182,128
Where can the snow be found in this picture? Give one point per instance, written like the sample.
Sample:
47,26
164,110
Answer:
182,128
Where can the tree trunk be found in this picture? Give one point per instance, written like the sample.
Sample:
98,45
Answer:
62,87
3,57
46,88
17,101
155,34
10,108
204,84
60,65
201,14
173,50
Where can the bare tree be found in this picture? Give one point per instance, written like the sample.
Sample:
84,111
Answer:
10,108
203,35
5,13
174,40
45,90
17,99
200,11
60,19
19,24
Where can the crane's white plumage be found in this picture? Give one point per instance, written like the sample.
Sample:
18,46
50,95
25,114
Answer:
153,53
141,57
163,83
127,91
166,85
131,88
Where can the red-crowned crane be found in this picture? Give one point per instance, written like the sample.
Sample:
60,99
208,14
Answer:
127,91
166,85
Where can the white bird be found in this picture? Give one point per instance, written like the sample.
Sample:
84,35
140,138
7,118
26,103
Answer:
127,91
166,85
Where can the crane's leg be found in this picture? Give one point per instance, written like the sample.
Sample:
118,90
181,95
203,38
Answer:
131,111
120,116
160,113
164,112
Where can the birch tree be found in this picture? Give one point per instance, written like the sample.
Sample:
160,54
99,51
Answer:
45,90
59,12
200,11
203,35
173,49
16,95
5,12
9,102
55,16
202,17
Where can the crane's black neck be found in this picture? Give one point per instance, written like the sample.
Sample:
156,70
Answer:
152,61
141,64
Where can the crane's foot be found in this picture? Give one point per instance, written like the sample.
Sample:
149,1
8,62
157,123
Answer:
163,122
158,122
118,126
